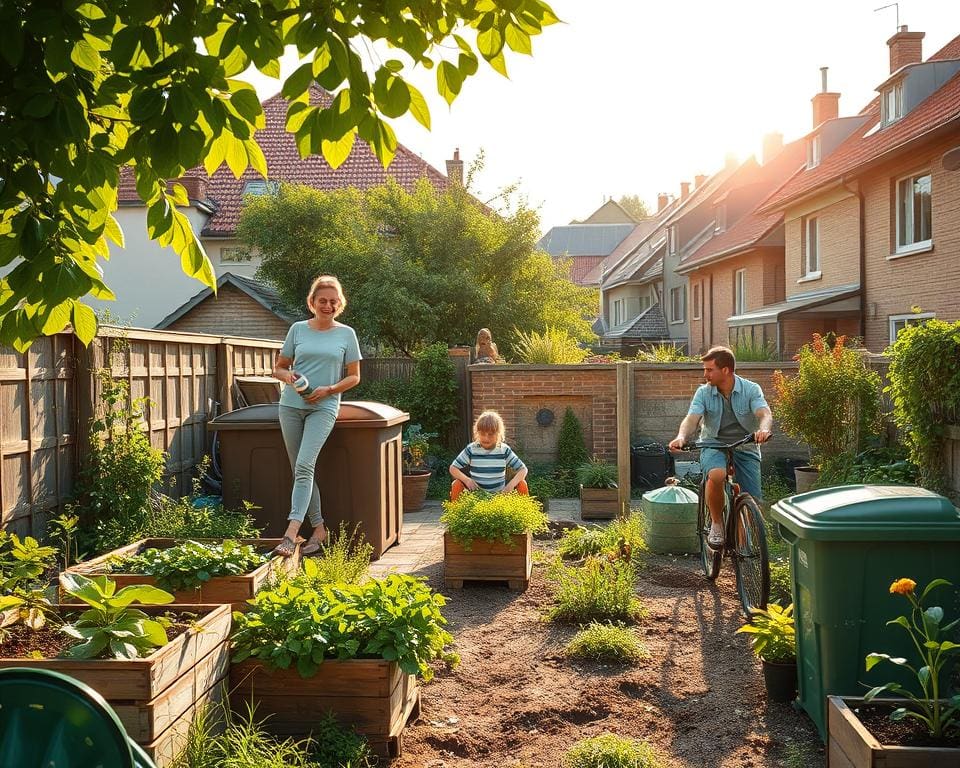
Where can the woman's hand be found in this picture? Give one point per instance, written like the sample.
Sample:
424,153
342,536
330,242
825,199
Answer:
318,394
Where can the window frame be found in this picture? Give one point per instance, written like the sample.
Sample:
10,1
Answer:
814,151
895,90
681,316
696,301
644,302
673,246
720,218
811,270
893,320
917,245
739,291
235,249
618,305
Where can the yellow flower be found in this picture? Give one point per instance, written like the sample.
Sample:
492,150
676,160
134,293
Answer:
903,587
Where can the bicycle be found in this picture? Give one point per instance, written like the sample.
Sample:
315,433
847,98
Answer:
745,537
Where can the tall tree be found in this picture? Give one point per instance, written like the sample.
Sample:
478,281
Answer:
418,267
633,205
91,86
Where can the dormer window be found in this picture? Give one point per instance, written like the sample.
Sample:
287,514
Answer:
814,149
261,187
720,217
672,245
892,100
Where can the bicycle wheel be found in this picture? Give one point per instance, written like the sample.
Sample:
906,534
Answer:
710,559
750,557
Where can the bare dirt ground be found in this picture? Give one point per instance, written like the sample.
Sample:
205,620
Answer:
515,701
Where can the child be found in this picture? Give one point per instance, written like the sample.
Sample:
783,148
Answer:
485,351
486,459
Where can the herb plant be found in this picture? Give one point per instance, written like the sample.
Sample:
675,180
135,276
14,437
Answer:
494,516
555,346
344,558
416,446
191,563
597,474
772,633
606,642
611,751
63,529
600,589
23,563
397,618
110,626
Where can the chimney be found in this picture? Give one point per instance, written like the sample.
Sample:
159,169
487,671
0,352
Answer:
699,180
772,146
826,105
455,168
663,200
905,48
195,184
684,190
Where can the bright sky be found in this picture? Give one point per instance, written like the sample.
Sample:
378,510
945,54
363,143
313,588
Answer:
630,97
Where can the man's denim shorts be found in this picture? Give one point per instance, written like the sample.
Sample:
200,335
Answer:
746,464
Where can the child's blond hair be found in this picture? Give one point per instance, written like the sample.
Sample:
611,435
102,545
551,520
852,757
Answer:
489,421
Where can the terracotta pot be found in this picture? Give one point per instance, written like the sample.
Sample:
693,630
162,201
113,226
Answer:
415,485
806,478
780,678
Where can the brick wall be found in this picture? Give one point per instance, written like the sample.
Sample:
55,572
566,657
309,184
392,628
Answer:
839,247
798,330
233,313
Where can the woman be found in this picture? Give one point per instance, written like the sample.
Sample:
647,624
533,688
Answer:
317,349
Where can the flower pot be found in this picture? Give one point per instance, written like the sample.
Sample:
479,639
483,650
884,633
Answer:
415,484
806,478
851,745
599,503
780,679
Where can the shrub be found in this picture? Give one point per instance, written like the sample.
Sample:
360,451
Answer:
580,542
597,474
600,589
542,486
395,392
878,466
343,559
755,351
610,751
781,582
552,347
832,404
433,389
665,353
496,516
335,746
571,453
606,642
622,538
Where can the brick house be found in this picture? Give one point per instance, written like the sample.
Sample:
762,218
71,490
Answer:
872,230
586,246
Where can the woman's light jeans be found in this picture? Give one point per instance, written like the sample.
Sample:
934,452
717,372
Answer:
304,433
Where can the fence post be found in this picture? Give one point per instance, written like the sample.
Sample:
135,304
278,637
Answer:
89,359
461,361
623,436
225,376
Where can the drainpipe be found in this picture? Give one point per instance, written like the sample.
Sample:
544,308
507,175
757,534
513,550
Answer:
863,259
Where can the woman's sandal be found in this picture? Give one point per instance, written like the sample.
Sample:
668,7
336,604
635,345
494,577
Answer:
312,546
286,547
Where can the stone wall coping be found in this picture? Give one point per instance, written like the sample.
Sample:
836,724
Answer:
518,367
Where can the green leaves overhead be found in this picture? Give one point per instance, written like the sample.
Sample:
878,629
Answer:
96,86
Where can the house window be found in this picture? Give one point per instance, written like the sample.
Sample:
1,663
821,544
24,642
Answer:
811,247
739,292
678,304
644,303
672,245
618,312
235,255
814,149
899,322
697,301
892,99
914,225
721,219
261,187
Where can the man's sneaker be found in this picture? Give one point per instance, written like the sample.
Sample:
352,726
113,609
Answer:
715,537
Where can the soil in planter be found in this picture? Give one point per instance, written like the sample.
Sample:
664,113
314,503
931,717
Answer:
903,733
25,643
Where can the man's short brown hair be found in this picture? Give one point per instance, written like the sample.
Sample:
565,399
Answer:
722,356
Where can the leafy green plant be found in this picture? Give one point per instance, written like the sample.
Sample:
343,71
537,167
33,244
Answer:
110,626
597,473
495,516
541,486
577,543
433,389
610,751
191,563
877,466
571,453
664,353
606,642
599,590
750,350
833,402
781,581
397,618
181,519
63,529
929,635
622,538
554,346
924,386
23,563
416,446
772,633
343,559
336,746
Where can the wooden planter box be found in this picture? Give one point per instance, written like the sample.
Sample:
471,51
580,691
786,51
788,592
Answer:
851,745
488,560
373,696
157,697
235,590
599,503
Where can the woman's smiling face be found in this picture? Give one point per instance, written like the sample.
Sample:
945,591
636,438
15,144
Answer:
325,302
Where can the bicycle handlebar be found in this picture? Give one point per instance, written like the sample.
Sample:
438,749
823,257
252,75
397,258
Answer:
701,444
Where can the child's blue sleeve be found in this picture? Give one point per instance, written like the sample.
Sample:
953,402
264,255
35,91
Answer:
463,460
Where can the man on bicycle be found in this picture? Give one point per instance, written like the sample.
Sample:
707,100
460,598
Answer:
726,408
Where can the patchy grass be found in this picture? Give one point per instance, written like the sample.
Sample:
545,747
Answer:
610,751
600,589
607,642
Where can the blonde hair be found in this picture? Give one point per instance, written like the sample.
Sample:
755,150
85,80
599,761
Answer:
488,342
327,281
489,421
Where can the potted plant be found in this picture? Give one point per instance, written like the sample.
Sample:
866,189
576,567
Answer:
489,538
599,496
774,641
832,404
416,473
916,729
356,650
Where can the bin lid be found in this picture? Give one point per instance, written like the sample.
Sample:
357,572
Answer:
869,513
671,494
261,416
353,414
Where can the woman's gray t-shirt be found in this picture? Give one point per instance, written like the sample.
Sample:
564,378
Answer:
321,357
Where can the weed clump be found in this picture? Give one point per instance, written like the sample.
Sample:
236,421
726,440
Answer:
599,590
607,642
611,751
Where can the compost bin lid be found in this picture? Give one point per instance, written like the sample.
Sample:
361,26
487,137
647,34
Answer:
261,416
869,513
671,494
353,414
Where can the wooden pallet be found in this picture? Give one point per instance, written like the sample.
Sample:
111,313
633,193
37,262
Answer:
487,560
517,585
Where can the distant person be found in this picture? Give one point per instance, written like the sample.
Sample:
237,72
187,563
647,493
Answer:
483,463
311,363
485,351
726,408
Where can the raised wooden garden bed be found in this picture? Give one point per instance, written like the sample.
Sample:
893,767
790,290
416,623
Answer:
157,697
373,696
488,560
235,590
851,745
599,503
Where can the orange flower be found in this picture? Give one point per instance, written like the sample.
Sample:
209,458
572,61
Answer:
838,347
903,587
818,346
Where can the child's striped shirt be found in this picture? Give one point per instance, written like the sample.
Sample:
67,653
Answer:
488,468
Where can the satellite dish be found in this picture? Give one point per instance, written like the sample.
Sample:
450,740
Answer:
951,160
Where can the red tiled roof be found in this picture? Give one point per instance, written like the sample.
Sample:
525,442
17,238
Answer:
940,108
581,267
361,169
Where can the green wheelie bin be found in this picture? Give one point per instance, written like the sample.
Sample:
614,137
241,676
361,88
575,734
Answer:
847,546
